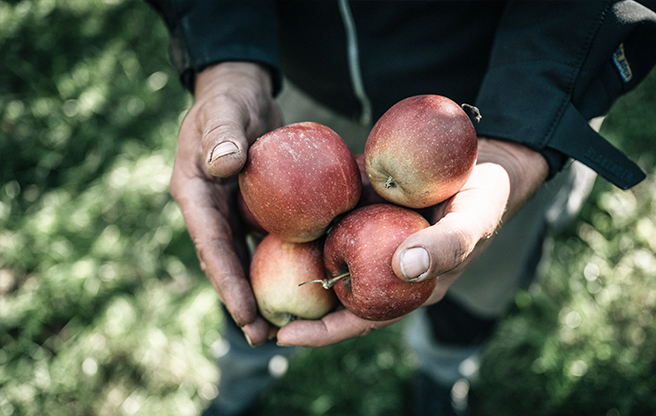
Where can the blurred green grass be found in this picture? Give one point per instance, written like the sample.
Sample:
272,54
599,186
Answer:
104,311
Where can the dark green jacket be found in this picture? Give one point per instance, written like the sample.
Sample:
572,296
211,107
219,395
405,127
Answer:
538,71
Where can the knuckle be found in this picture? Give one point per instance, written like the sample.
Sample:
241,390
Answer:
458,247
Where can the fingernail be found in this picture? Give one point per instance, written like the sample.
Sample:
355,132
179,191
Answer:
414,263
248,339
223,149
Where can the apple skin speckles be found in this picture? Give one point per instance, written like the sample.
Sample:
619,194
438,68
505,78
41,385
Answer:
362,244
421,151
297,179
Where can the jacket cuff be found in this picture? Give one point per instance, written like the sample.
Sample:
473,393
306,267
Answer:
552,126
205,33
542,94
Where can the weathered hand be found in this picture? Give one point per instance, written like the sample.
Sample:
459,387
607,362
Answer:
233,105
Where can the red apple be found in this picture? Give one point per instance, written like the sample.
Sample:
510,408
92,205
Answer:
247,216
297,179
277,270
358,256
421,151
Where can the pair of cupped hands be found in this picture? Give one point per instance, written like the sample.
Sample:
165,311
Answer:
233,106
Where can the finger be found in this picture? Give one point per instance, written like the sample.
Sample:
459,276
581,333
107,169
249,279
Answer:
229,128
470,218
330,329
204,206
223,138
258,331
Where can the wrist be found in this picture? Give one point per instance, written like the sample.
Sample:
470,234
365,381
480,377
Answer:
232,74
526,168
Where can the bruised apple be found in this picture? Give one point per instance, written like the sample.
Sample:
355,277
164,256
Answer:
421,151
297,179
277,270
358,256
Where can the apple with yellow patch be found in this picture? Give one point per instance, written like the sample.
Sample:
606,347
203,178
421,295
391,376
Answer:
421,151
277,270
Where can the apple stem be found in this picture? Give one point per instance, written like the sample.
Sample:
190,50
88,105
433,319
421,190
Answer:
390,183
327,283
474,113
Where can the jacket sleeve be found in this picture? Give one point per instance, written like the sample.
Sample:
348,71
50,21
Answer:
556,65
203,33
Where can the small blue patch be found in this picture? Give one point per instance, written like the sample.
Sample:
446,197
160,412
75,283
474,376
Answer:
622,64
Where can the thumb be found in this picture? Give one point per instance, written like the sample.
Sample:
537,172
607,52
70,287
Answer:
229,128
471,218
234,105
225,148
436,250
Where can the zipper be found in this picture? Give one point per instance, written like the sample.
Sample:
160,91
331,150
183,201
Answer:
353,55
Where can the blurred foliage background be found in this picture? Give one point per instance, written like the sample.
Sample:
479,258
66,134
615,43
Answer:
104,310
